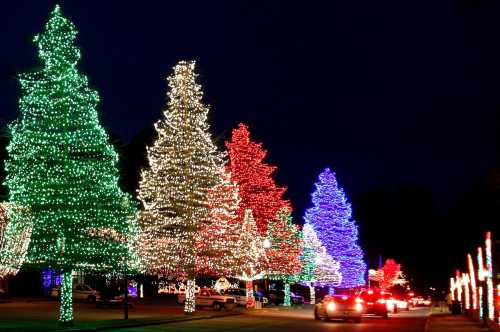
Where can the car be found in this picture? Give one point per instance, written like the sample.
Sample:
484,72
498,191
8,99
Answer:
296,298
375,302
239,294
339,307
81,292
278,297
209,297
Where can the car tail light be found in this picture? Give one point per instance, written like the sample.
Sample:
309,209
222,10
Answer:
344,297
370,292
358,307
358,300
331,306
381,301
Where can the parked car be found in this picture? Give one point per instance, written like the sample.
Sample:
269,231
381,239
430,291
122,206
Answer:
278,297
211,298
296,298
339,307
240,295
81,292
375,302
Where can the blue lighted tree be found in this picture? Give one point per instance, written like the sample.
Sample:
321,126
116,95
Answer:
332,220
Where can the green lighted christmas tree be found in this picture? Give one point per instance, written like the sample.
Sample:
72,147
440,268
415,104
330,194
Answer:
62,168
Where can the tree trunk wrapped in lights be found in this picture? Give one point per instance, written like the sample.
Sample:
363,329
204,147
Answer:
257,188
283,256
14,239
330,217
184,165
62,168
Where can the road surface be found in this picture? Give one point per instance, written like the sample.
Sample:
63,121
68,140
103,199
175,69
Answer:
277,320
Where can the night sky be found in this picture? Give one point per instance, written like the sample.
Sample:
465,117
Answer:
400,98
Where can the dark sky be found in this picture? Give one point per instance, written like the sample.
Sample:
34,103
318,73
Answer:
400,98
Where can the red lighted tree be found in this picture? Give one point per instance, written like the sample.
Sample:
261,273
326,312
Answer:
390,273
283,255
258,191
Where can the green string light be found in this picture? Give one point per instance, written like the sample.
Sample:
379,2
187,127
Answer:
62,168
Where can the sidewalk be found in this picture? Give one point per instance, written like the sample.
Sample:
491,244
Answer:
445,322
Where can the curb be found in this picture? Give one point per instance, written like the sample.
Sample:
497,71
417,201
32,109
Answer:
139,324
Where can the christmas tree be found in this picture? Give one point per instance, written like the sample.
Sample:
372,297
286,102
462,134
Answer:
258,191
217,246
331,219
184,165
62,168
318,267
251,251
283,255
14,240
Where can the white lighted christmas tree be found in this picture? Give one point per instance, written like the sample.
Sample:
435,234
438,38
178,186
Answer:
14,239
184,165
217,246
251,251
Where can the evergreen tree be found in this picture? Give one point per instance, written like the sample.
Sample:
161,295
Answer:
331,219
217,239
318,267
184,165
257,188
251,251
62,169
283,255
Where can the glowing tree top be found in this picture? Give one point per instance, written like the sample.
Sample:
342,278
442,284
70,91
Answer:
258,191
184,165
330,217
62,168
217,239
283,255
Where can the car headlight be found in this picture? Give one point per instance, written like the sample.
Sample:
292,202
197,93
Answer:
358,307
330,306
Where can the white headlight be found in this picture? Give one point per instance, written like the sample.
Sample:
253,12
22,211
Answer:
330,306
358,307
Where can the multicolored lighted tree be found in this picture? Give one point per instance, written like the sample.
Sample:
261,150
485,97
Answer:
217,239
331,219
62,168
283,255
184,166
258,191
318,267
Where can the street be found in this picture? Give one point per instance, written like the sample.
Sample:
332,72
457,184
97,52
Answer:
299,319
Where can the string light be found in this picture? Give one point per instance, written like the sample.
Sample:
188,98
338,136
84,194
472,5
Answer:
62,168
318,267
330,217
257,188
480,277
489,277
283,255
472,277
184,165
14,240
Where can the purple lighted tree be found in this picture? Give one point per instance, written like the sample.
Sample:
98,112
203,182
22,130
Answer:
331,219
